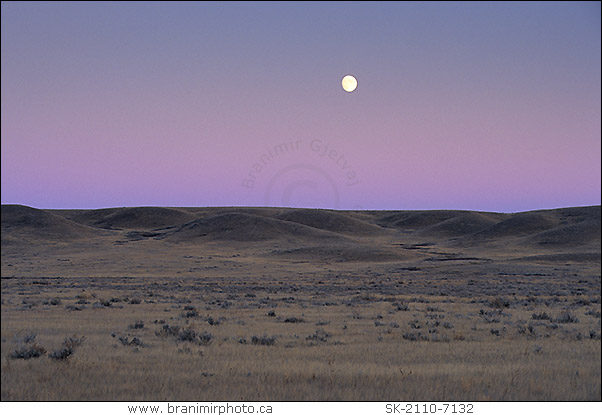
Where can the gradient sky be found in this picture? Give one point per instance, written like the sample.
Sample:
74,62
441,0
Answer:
491,107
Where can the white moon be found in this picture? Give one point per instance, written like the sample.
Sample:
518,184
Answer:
349,83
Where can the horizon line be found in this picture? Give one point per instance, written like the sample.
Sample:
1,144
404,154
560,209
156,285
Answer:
306,208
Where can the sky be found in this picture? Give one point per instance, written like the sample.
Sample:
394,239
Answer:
475,106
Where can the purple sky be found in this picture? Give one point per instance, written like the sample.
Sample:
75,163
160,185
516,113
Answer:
459,106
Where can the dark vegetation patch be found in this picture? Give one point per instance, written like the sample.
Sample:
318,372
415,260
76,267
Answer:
264,340
28,348
319,336
70,344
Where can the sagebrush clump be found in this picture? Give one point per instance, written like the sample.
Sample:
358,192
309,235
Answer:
70,344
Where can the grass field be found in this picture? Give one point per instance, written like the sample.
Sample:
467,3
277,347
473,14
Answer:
278,319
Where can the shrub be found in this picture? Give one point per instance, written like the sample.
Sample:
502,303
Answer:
137,325
134,342
28,351
186,335
541,316
499,303
264,340
294,320
190,314
167,331
415,324
411,336
566,318
102,303
28,338
214,322
531,328
488,316
319,335
582,301
70,344
205,338
439,338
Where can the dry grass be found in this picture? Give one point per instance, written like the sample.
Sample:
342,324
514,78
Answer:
389,310
349,358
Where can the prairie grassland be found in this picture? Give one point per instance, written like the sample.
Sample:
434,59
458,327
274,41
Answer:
334,338
207,304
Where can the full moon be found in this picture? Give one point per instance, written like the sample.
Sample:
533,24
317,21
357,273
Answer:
349,83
